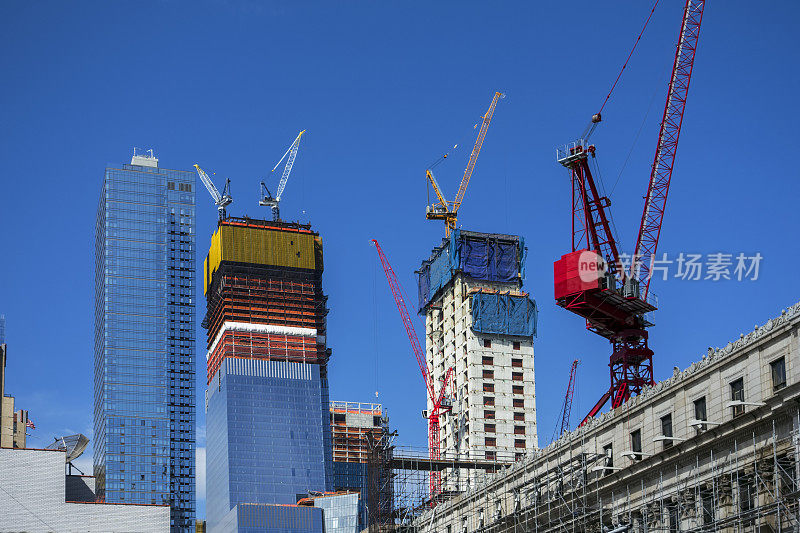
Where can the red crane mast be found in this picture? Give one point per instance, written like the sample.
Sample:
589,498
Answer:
439,402
566,408
592,281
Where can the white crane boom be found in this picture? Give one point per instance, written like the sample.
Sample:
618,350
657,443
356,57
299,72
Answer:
220,200
267,198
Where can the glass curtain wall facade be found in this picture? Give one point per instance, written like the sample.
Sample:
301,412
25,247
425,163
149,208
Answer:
144,371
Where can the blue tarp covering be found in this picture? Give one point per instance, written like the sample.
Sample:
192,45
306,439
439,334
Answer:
481,256
504,314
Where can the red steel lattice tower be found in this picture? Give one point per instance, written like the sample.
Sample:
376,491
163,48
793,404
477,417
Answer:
440,403
613,302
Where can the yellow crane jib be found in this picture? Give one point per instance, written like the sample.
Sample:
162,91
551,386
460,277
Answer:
442,210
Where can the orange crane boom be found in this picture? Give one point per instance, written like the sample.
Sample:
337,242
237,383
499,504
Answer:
448,211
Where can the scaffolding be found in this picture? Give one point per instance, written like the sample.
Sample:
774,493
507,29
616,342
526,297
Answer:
749,482
399,480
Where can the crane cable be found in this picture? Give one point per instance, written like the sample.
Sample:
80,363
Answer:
646,22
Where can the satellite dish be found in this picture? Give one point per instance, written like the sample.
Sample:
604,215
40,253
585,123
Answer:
72,444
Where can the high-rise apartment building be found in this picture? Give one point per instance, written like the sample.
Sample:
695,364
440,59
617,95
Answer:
267,419
479,322
144,399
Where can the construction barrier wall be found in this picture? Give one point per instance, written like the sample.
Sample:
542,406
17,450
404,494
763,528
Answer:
481,256
504,314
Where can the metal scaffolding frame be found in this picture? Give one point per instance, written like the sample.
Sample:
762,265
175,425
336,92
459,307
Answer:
749,482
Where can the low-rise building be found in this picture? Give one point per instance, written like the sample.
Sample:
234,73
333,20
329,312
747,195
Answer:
716,447
37,496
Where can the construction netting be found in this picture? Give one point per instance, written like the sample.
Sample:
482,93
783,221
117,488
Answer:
482,256
505,314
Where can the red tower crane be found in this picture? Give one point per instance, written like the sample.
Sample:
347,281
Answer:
440,403
566,409
593,281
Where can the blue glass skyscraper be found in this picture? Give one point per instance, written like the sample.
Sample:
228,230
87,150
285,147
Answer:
144,363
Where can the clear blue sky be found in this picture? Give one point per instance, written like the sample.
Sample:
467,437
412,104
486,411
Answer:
383,88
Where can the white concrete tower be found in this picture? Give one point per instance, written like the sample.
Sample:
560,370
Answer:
480,323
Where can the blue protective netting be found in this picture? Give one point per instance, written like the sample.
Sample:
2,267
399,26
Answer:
480,256
504,314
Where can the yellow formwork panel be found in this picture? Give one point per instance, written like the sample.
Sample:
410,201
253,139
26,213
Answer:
261,246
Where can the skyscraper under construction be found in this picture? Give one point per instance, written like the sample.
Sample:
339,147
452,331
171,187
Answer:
480,323
267,409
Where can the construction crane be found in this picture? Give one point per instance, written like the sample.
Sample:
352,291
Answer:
267,199
439,401
220,200
448,211
566,407
593,280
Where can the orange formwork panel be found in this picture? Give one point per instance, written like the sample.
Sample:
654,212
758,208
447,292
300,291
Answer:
268,346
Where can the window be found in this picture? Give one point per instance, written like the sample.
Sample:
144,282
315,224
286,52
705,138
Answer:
488,387
487,360
700,412
338,417
487,343
488,414
517,389
171,185
666,429
516,345
746,493
778,370
488,400
519,456
674,518
489,428
516,376
516,363
608,451
488,374
709,510
491,456
519,443
519,417
636,444
737,394
490,441
519,430
519,402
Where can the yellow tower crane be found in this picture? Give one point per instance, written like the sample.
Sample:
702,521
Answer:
448,211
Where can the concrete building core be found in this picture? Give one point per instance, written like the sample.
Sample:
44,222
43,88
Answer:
480,323
356,428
